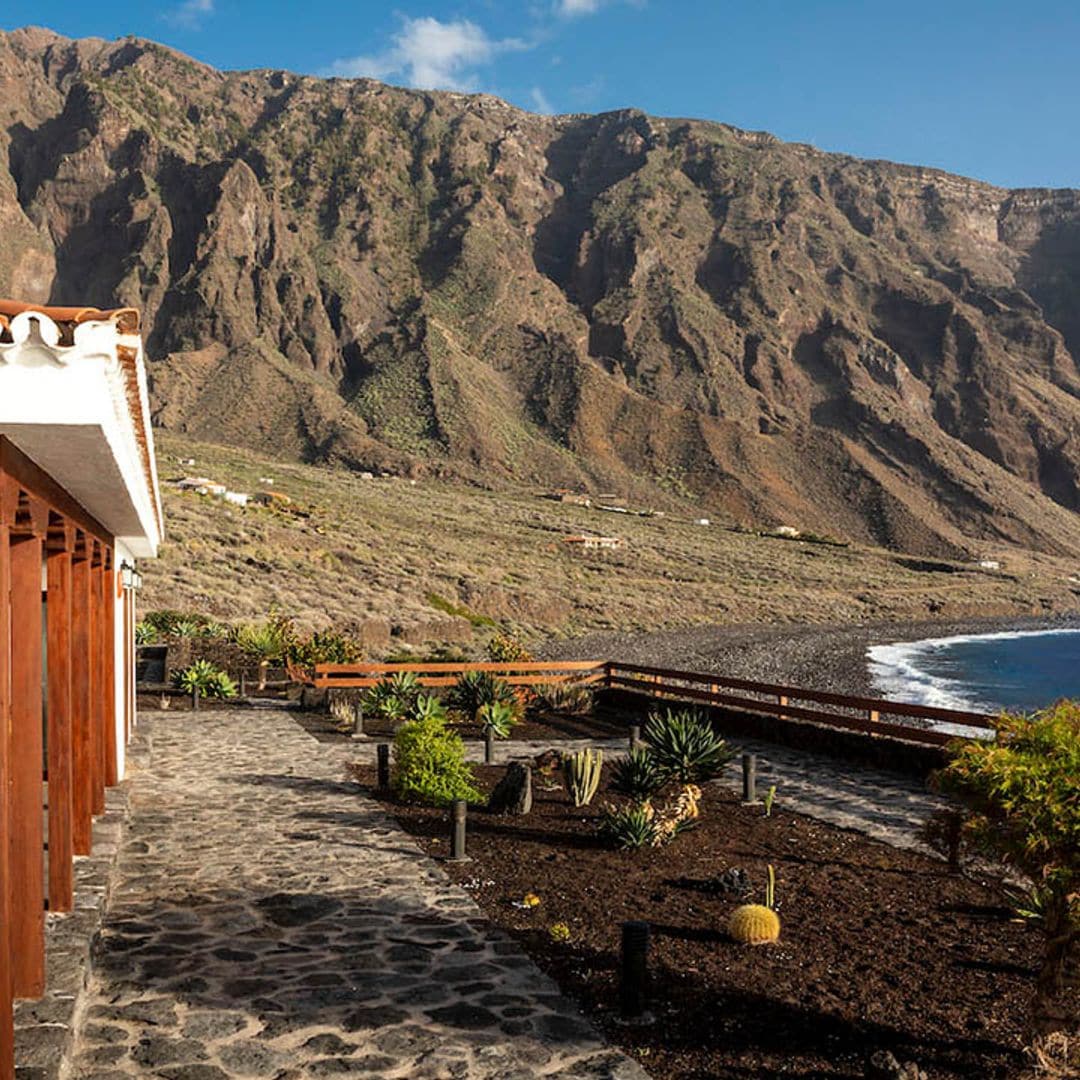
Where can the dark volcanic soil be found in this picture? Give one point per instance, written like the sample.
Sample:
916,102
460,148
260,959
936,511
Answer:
880,948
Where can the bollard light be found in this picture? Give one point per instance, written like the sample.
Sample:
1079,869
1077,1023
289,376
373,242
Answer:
749,779
382,753
195,699
634,971
358,720
458,811
635,736
489,746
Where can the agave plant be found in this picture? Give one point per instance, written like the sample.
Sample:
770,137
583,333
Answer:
426,707
496,716
685,748
145,633
204,677
478,688
637,775
632,826
405,686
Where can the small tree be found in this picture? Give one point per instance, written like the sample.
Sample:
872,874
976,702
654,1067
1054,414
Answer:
264,642
1023,794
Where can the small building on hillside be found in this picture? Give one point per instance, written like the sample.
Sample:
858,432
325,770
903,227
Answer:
595,543
79,504
202,485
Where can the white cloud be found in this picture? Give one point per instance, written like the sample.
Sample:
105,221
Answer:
191,13
430,54
540,100
573,8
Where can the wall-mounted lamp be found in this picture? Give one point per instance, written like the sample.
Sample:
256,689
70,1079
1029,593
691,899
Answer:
130,577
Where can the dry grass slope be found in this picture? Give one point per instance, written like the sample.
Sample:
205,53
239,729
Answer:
388,554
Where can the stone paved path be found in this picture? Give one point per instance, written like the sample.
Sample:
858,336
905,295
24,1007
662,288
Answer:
266,920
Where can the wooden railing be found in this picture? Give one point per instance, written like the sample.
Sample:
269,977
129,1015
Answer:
520,673
870,716
865,715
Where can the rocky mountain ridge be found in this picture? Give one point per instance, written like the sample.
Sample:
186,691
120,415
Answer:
343,271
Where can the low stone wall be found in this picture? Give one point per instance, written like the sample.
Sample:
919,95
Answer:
878,751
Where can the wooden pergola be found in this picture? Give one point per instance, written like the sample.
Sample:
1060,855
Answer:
67,679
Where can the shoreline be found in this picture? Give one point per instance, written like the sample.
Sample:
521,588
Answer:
816,656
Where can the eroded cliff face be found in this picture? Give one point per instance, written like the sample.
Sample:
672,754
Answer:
345,271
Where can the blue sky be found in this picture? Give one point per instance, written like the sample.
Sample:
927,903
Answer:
988,89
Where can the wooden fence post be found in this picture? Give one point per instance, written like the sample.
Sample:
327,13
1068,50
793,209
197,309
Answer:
82,701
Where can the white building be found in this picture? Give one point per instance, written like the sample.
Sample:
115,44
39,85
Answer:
79,504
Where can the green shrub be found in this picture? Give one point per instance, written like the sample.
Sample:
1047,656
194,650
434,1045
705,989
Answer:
322,647
145,633
209,680
429,764
505,649
685,748
478,688
636,776
1022,792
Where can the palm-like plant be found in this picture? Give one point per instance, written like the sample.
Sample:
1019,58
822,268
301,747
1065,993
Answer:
264,642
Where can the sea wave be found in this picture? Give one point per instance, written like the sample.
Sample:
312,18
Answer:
898,670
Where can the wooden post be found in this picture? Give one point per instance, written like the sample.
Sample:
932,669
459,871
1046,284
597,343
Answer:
108,661
27,763
59,739
82,709
97,680
7,1034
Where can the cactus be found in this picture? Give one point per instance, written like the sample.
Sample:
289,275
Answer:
581,775
754,924
757,924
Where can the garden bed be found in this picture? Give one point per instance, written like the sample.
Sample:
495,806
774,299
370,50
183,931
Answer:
534,728
880,948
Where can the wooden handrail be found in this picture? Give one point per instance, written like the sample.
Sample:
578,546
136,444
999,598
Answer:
823,697
440,673
478,665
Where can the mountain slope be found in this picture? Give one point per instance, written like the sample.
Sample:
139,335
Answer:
432,282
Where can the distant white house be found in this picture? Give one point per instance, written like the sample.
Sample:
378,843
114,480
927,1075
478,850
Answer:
201,485
237,498
591,543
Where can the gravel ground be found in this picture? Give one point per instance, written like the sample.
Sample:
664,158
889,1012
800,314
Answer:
820,656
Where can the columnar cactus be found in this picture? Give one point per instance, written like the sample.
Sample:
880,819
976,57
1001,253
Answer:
581,774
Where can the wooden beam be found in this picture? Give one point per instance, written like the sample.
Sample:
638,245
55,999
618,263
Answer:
59,729
7,1033
81,701
97,680
25,474
27,789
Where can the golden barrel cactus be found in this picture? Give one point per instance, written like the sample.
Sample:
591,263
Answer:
754,924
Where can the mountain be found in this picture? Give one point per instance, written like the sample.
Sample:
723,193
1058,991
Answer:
346,272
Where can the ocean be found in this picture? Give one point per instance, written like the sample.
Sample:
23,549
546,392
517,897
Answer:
1019,672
